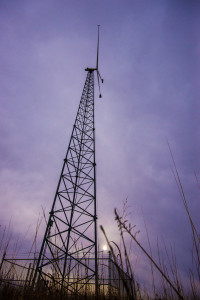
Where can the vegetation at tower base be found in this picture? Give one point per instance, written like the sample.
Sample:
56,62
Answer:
171,283
116,271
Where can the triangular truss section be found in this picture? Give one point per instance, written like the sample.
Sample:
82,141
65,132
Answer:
68,255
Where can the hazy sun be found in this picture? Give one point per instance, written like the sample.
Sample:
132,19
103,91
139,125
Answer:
105,247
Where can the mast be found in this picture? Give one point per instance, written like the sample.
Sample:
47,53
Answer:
68,255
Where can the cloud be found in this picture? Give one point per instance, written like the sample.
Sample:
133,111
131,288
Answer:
150,62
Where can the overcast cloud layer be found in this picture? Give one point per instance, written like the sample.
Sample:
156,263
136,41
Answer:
149,59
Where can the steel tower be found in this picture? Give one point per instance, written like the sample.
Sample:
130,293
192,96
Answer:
68,255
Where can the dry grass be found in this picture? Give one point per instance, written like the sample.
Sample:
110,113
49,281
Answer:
166,266
171,282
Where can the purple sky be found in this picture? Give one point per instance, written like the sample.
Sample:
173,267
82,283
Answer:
149,59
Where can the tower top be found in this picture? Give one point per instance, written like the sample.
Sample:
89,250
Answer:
97,66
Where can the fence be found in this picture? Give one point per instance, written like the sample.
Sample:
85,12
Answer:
112,280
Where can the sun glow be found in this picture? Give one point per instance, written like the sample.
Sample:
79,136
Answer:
105,248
